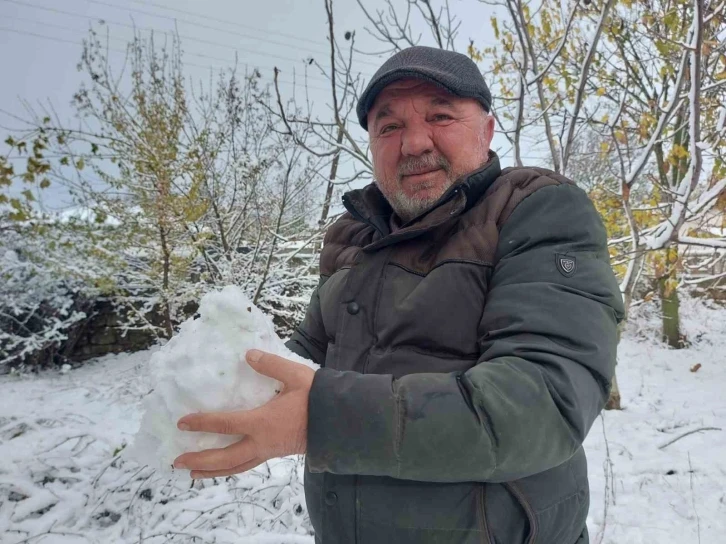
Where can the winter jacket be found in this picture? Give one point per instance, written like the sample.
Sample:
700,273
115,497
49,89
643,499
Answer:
464,358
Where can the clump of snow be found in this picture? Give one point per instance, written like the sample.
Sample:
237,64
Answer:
203,369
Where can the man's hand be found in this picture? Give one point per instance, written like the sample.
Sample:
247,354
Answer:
275,429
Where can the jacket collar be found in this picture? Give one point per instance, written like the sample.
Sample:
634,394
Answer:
371,207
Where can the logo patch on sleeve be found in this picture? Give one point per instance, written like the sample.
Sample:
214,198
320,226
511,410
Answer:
566,264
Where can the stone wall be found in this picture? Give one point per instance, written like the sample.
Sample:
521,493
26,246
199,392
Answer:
102,334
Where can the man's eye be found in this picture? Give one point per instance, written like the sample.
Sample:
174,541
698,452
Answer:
388,128
442,117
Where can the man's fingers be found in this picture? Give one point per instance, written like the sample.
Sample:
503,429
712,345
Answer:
240,422
249,465
273,366
219,458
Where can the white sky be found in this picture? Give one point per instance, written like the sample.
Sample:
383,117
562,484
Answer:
40,41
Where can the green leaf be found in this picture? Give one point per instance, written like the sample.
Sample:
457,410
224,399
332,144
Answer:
18,216
9,140
671,20
662,47
80,164
45,183
64,161
28,195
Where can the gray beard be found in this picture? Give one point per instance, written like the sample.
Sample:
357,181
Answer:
410,207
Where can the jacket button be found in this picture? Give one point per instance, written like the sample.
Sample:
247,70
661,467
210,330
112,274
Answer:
353,308
331,498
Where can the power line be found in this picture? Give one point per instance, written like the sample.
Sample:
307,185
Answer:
185,38
115,50
195,23
199,15
210,57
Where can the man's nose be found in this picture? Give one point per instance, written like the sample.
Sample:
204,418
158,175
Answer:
416,140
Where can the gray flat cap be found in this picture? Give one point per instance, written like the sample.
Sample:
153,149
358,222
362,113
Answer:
454,72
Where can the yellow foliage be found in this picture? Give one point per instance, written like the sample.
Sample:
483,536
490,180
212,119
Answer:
670,285
546,26
677,153
474,54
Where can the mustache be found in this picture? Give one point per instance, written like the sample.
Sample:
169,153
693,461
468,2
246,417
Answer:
427,161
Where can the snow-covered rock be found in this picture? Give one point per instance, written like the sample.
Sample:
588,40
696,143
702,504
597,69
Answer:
203,369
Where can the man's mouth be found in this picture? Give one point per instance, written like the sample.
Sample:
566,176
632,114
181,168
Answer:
422,172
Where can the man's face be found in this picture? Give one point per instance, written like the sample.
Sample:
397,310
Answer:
422,140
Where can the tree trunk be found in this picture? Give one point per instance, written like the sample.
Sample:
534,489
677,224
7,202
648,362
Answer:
613,402
166,256
331,181
667,282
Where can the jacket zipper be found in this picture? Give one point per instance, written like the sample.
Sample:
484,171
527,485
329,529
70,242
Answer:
487,538
356,506
519,495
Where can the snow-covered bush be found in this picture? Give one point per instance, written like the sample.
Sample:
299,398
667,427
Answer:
38,310
176,194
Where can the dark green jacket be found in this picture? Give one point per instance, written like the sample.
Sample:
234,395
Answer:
465,357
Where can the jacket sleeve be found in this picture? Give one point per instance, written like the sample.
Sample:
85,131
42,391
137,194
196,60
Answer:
547,344
309,339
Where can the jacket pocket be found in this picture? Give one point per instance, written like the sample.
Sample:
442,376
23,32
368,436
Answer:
505,515
393,511
558,499
314,499
329,356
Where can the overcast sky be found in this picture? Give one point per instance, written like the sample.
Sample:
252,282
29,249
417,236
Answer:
40,40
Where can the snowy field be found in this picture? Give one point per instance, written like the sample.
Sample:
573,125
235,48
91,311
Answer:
63,480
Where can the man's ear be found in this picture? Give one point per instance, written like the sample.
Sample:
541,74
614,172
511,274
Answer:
487,129
489,125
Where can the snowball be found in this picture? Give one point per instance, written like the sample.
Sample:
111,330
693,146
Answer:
65,369
203,369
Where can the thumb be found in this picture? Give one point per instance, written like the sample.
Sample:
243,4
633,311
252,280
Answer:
272,366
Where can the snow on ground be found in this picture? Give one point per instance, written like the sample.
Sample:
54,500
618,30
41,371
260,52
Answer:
62,479
61,472
657,493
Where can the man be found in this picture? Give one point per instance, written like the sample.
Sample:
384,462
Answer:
466,325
